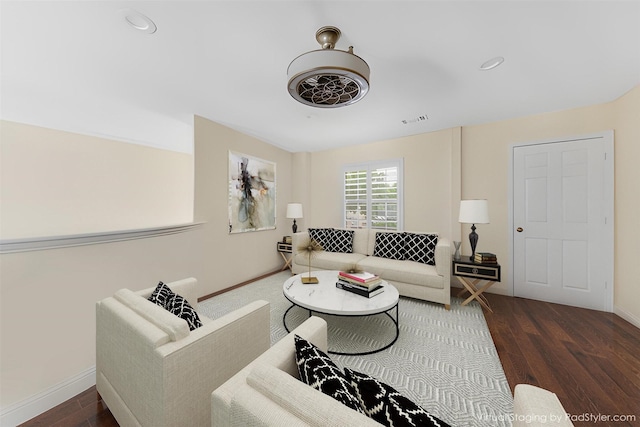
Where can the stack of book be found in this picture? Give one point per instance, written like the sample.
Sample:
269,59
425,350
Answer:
365,284
485,258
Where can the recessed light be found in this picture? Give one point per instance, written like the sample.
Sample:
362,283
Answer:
138,21
492,63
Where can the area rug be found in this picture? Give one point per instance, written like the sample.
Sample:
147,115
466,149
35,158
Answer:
445,361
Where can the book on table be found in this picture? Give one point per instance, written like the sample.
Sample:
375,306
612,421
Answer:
360,290
364,278
485,257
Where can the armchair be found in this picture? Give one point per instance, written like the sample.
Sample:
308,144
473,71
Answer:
152,371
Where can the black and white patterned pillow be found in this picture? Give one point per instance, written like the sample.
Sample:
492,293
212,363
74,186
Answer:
386,405
320,235
318,370
389,245
421,247
340,241
181,308
163,296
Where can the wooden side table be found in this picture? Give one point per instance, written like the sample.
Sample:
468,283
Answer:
283,250
470,274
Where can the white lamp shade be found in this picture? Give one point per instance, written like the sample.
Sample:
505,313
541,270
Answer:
474,211
294,210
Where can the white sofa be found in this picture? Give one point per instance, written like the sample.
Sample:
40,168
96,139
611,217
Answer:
412,279
268,392
151,370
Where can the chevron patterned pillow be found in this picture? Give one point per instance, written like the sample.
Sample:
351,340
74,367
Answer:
318,370
384,404
181,308
163,296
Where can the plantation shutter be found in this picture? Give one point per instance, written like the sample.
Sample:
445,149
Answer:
372,195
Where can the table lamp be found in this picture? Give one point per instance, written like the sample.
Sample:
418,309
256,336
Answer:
294,210
474,212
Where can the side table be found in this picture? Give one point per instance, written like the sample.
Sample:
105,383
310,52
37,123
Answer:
283,249
470,274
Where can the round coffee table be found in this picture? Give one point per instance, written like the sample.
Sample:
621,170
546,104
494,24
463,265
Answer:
325,298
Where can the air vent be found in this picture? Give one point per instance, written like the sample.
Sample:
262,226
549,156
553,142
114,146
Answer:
421,118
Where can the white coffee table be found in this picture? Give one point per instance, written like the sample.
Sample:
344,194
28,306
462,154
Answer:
325,298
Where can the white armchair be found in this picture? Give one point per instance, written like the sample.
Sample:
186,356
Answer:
152,371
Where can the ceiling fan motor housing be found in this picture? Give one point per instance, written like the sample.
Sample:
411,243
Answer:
328,78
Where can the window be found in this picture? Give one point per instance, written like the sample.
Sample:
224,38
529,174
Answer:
373,195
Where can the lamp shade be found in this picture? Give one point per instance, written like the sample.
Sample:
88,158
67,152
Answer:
474,211
294,210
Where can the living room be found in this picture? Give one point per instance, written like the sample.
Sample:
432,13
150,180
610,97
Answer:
441,168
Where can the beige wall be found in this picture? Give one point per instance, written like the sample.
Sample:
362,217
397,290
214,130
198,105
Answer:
235,257
485,169
429,179
58,183
47,298
627,205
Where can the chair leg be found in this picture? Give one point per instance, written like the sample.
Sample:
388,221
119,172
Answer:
447,306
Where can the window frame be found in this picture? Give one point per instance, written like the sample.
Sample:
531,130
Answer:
369,200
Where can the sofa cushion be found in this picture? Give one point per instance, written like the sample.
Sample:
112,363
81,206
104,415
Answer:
320,235
386,405
330,260
389,245
402,271
339,241
421,247
317,369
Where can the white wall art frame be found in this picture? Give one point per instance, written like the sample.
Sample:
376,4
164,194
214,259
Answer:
252,193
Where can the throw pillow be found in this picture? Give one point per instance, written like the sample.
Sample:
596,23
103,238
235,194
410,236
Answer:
181,308
386,405
161,295
421,247
320,235
389,245
318,370
340,241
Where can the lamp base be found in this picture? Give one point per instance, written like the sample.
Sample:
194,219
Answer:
294,228
473,240
310,280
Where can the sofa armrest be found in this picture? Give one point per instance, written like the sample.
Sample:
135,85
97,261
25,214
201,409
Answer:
195,366
297,239
281,356
534,406
307,404
443,257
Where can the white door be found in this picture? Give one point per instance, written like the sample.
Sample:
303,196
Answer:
563,222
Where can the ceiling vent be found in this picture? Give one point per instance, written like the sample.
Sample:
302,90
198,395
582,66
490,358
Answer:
328,78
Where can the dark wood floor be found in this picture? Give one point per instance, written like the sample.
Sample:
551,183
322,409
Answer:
590,359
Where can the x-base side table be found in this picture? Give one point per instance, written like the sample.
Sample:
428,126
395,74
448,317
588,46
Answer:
283,249
471,273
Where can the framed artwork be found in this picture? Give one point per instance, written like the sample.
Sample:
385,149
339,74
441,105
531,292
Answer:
252,193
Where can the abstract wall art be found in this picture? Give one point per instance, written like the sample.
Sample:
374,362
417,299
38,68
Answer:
252,193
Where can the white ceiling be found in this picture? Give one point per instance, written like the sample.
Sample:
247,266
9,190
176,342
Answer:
77,66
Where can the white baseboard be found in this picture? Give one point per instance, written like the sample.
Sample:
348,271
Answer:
634,320
27,409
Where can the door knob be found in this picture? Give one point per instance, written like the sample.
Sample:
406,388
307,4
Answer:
519,229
